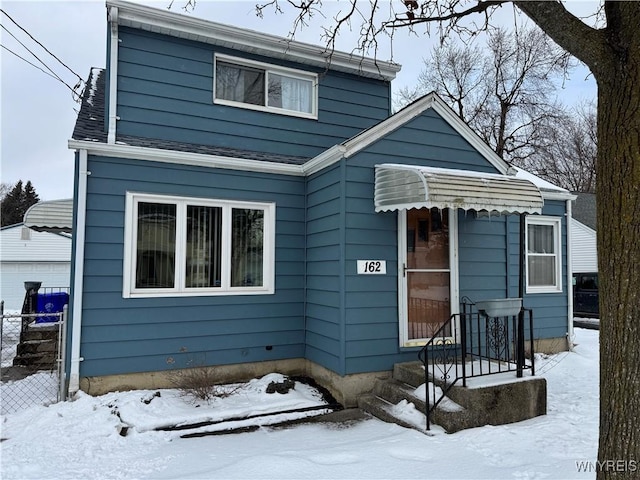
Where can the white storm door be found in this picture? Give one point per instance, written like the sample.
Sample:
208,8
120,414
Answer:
428,282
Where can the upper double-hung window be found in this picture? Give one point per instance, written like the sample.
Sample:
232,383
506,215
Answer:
263,87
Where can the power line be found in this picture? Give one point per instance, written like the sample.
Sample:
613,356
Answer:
33,54
45,48
76,90
43,71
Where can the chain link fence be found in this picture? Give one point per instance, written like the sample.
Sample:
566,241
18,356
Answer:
32,355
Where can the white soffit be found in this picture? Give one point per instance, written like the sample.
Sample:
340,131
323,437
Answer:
179,25
54,216
400,187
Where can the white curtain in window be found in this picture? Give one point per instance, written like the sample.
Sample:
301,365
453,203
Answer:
295,93
541,264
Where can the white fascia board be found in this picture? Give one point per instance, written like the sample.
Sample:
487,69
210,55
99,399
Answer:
410,112
170,23
185,158
325,159
557,195
378,131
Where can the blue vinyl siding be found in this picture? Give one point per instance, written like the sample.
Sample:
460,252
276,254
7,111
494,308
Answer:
426,140
165,91
550,310
151,334
372,337
324,297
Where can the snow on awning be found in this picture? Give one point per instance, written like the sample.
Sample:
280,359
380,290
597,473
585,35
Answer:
400,187
55,216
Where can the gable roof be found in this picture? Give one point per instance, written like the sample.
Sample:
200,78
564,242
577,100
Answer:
371,135
191,28
584,209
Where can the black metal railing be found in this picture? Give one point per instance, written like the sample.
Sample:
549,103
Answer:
473,344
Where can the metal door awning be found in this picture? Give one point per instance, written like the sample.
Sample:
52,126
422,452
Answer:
400,187
55,216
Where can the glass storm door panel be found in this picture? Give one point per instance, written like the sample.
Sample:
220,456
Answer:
428,272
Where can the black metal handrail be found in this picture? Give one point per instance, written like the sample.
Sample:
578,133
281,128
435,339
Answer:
440,358
472,344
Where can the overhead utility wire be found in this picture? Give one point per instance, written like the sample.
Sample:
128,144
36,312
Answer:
53,74
32,64
76,90
45,48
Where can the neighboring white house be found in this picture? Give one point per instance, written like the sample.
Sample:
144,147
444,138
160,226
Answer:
584,252
28,255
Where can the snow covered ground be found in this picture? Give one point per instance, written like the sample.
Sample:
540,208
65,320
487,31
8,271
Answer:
81,439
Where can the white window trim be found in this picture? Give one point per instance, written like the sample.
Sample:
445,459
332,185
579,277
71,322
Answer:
556,223
284,71
130,241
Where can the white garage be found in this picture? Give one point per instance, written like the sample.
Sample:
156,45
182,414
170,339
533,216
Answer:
29,255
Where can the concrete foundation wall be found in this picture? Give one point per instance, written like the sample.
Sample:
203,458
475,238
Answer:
344,389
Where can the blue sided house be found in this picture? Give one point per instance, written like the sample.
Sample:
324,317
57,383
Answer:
250,203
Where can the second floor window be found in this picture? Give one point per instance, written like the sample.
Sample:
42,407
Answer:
257,86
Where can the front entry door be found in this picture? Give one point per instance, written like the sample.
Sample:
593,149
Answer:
427,273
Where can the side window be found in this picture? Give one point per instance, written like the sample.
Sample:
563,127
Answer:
544,258
259,86
180,246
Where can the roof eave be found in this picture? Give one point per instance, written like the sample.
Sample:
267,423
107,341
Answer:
185,158
182,26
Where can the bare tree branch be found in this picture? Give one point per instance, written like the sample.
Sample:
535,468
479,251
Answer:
584,42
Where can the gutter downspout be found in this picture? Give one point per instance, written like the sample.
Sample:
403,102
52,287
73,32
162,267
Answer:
113,74
79,232
569,278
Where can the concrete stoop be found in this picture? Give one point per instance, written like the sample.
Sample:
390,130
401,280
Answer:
494,400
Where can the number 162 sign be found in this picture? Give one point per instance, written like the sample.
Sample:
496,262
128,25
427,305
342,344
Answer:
372,267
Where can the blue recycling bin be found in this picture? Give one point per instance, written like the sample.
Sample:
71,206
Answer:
51,303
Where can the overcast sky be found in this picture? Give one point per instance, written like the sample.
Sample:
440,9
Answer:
38,111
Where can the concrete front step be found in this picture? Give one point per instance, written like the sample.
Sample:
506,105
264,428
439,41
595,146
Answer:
411,373
494,400
383,410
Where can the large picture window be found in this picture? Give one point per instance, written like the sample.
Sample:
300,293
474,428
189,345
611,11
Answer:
183,246
544,259
259,86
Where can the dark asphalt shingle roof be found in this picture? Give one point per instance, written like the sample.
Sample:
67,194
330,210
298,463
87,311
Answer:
90,126
584,209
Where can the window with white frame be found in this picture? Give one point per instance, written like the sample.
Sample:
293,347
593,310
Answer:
185,246
544,256
263,87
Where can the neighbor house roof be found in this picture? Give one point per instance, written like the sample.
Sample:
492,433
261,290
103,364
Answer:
584,209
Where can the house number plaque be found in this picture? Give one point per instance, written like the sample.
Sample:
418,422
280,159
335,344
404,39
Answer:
372,267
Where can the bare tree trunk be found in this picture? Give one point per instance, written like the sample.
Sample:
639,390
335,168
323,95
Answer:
618,196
